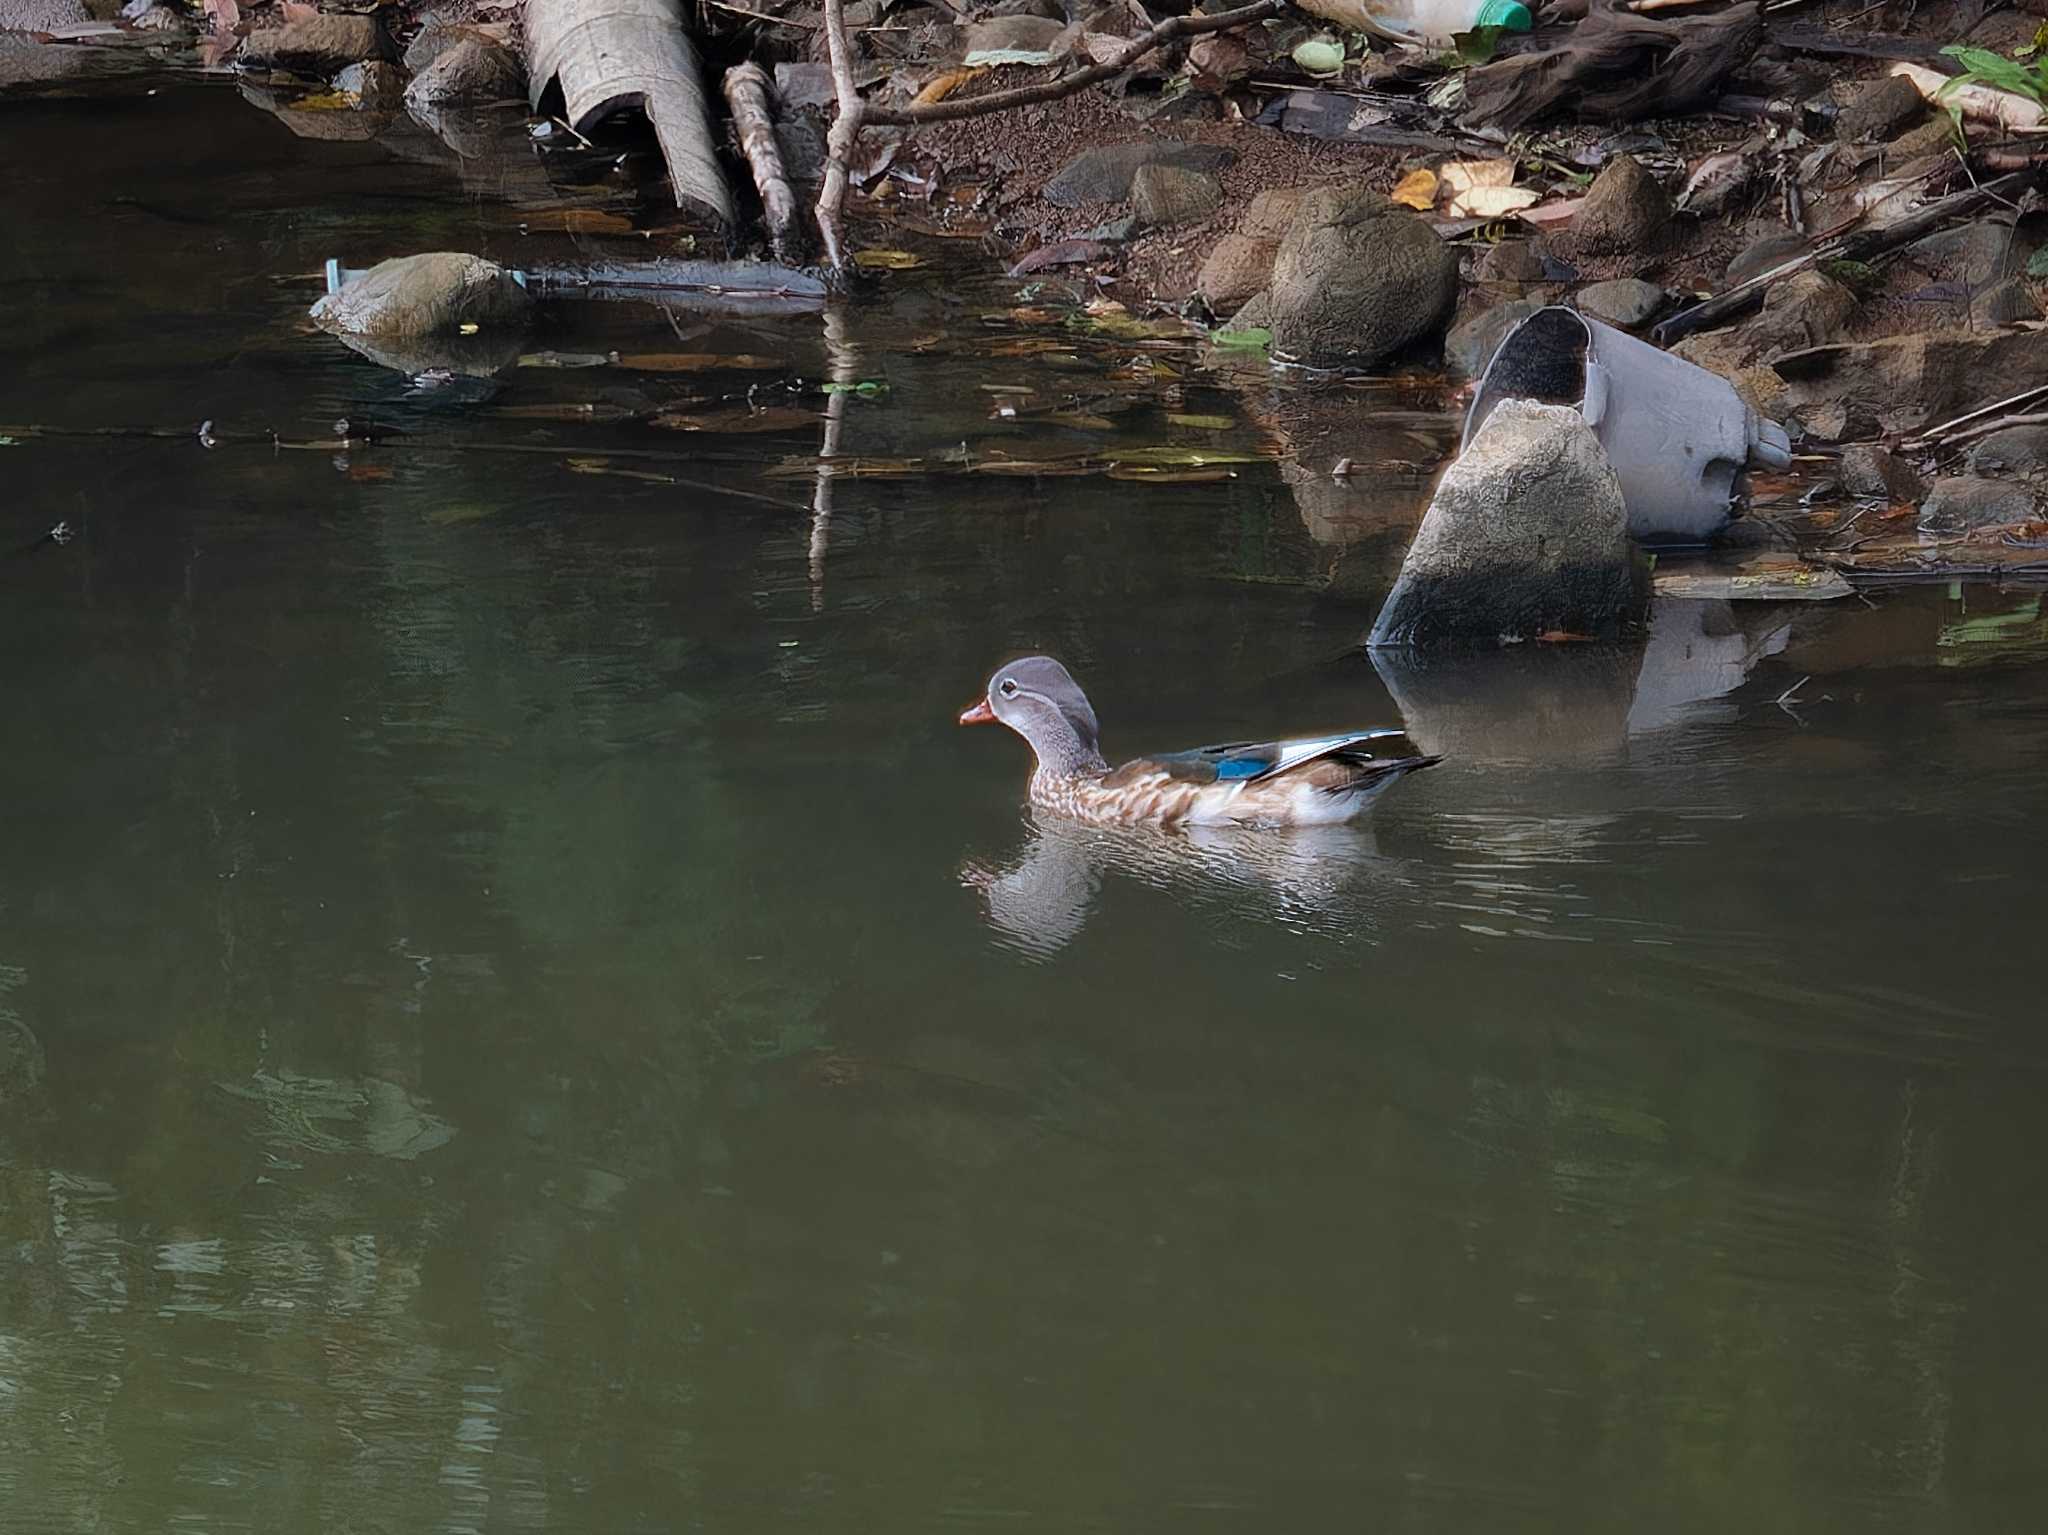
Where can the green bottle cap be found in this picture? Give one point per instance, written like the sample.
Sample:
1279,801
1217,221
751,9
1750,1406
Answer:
1509,14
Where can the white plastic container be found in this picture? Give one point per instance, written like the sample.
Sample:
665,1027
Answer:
1434,22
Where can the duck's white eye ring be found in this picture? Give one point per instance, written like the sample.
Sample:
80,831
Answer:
1009,687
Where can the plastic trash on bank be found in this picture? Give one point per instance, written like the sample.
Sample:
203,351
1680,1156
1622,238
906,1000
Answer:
1679,437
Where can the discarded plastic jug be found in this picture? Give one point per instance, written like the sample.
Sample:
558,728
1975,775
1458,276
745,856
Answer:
1679,437
1437,22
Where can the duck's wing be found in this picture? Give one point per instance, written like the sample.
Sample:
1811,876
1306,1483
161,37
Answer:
1247,761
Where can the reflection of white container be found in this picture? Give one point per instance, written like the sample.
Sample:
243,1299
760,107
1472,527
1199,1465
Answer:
1436,22
1678,436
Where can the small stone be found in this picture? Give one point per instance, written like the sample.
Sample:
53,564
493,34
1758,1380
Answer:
1165,195
1238,267
469,74
2007,302
1357,278
1104,174
1470,346
1112,231
1512,261
1980,253
1965,502
1933,137
433,40
1626,301
1256,313
1760,255
1015,39
1880,110
2015,450
1871,471
433,293
318,45
1625,210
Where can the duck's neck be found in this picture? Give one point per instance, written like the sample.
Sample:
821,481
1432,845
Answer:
1066,760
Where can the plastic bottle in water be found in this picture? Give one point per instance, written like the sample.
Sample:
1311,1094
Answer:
1434,22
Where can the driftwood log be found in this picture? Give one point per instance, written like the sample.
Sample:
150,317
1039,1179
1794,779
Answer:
1617,67
747,92
617,55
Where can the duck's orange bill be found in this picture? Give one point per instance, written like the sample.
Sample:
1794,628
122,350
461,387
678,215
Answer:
980,714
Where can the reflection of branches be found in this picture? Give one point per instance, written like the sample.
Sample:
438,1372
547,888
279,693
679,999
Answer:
843,361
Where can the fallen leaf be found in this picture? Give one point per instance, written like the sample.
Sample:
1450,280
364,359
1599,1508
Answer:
1320,56
576,221
565,411
1417,190
1492,202
1463,175
694,362
1158,476
1251,338
1078,421
1059,253
739,419
1203,423
567,359
325,101
939,87
867,388
605,466
886,261
1034,467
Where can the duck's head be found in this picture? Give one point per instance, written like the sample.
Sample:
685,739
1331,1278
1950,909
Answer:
1036,697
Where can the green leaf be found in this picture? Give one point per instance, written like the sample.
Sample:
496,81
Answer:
1478,45
1982,66
1251,339
867,388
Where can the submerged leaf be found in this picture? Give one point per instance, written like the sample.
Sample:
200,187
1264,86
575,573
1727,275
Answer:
739,419
886,261
1159,476
695,362
1204,423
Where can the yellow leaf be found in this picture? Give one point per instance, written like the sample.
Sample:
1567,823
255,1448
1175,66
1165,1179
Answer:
939,87
886,261
469,327
1417,190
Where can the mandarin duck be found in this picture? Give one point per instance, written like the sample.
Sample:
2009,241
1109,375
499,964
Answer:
1311,782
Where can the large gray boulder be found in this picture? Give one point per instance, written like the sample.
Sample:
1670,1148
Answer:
1963,503
1357,278
1526,535
434,293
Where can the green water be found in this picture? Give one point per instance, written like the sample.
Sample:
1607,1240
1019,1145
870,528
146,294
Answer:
519,1010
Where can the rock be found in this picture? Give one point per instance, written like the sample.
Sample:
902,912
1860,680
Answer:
1470,346
1837,421
1978,254
1965,502
1526,535
1016,39
1804,311
318,45
1880,110
1256,313
436,38
1933,137
1242,263
1868,470
2015,450
1357,278
469,74
2007,302
1165,195
1910,382
1237,268
1104,174
1625,209
1626,301
434,293
374,84
1760,255
1512,261
1112,231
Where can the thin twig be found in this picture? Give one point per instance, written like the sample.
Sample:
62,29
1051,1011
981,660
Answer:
846,126
746,92
953,109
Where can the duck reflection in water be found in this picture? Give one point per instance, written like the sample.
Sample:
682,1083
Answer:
1325,877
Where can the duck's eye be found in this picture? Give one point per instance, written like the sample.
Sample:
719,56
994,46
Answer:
1009,687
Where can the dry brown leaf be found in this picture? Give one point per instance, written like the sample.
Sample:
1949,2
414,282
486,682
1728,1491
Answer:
1463,175
939,87
1491,202
773,418
1417,190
